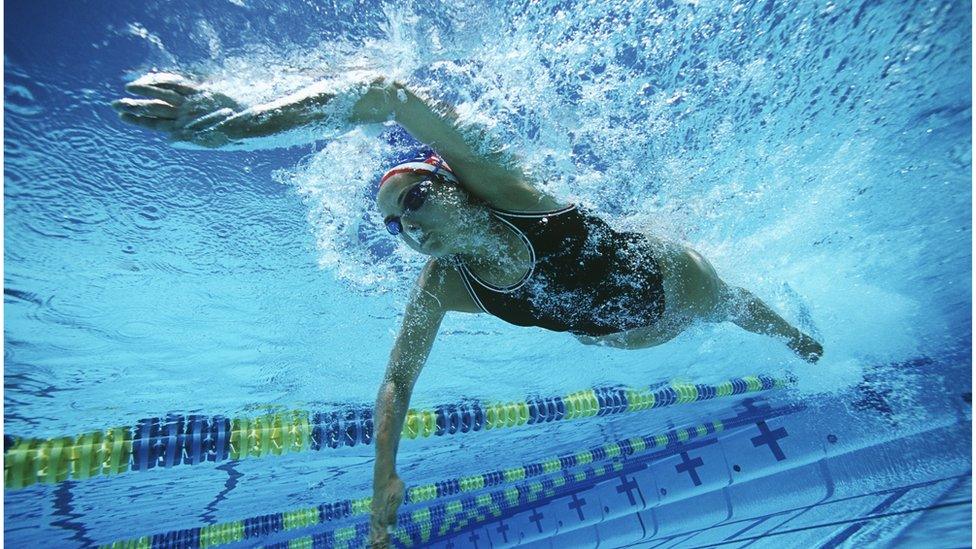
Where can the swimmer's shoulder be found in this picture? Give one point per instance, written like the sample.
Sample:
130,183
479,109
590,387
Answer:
524,196
441,279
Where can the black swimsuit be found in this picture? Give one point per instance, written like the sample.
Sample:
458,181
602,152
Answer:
585,277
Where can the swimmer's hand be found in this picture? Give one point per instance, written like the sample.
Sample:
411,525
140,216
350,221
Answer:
805,347
181,108
387,498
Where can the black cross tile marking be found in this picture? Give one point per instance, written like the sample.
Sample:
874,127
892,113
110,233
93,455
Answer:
753,407
689,465
770,438
503,530
629,485
578,504
536,517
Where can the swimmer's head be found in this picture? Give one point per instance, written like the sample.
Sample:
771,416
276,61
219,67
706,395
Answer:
424,163
423,203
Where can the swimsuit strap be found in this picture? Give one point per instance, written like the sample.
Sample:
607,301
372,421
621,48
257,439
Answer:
532,215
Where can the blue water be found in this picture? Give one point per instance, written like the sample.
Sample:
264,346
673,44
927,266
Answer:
816,153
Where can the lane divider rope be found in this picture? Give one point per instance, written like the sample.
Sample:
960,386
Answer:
414,527
193,439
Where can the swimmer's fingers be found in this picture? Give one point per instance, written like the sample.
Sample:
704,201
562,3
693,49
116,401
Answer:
165,81
170,88
154,108
160,124
168,96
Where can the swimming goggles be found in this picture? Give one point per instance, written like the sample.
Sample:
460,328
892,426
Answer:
413,200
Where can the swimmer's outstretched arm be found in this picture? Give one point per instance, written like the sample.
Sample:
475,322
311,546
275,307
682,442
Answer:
190,113
417,333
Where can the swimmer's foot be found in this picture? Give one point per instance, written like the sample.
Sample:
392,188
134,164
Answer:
805,347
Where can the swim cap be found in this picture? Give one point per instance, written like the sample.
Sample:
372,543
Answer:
428,162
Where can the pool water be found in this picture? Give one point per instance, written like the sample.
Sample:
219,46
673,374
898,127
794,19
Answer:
193,338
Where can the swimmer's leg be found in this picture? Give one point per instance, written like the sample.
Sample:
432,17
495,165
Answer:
750,313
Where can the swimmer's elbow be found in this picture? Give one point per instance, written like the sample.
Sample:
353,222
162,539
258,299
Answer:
379,102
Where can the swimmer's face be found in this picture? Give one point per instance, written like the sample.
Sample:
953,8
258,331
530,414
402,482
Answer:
439,227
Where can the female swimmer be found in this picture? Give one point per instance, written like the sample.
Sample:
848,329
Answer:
497,243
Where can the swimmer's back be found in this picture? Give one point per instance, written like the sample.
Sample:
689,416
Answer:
586,278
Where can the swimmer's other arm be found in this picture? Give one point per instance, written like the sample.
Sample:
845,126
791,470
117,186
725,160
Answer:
417,333
190,113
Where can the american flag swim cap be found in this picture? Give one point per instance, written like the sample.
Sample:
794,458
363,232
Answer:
428,162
